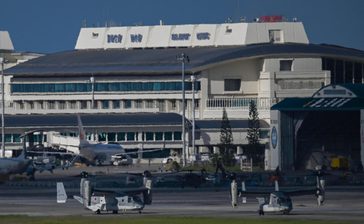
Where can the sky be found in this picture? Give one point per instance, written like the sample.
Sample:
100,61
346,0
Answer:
48,26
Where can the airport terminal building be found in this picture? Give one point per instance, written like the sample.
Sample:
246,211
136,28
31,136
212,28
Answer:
133,75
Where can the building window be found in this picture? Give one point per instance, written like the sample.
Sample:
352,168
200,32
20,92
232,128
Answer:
111,137
83,104
149,136
73,104
168,136
160,105
127,104
138,104
149,104
232,84
285,65
105,104
61,105
130,136
51,105
159,136
116,104
173,104
177,135
102,137
121,136
275,36
197,104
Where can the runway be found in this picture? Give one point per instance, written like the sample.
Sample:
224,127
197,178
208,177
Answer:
341,204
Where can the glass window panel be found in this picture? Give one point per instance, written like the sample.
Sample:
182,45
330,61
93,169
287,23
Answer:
168,136
121,136
130,136
149,136
127,103
105,104
8,137
116,104
16,138
159,136
111,137
177,135
232,84
102,136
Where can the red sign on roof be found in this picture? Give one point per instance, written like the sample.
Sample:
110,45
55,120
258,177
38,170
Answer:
270,19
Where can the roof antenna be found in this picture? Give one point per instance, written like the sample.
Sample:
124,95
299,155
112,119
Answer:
84,23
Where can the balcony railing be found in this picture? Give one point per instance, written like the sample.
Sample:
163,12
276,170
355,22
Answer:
239,103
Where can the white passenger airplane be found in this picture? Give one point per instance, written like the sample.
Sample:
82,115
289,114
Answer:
98,200
97,153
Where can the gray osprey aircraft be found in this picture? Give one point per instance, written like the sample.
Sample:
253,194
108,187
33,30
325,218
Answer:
98,200
277,201
18,165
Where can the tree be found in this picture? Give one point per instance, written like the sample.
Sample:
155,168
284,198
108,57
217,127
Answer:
254,127
254,148
226,141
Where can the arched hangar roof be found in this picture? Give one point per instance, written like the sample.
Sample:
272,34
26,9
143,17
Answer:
164,60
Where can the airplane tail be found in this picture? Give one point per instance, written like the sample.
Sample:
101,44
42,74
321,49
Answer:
276,185
61,193
81,131
147,195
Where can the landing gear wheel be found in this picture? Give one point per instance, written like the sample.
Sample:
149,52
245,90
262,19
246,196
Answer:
140,211
98,211
115,212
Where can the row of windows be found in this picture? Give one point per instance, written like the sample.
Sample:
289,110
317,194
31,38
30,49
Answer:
133,136
100,104
344,71
11,138
109,137
101,87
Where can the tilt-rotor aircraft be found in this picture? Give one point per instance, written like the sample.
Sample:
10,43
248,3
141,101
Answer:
277,201
18,165
99,200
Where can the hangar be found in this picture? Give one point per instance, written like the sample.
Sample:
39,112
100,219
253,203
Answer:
306,132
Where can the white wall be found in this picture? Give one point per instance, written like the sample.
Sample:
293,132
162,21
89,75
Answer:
246,70
191,35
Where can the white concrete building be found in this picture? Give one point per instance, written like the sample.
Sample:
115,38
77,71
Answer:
123,70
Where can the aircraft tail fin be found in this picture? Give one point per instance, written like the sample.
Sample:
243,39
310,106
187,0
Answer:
147,195
61,193
81,131
276,185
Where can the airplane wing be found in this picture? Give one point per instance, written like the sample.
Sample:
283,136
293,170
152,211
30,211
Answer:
128,191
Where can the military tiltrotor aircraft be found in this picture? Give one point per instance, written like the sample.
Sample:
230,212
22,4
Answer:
98,200
277,201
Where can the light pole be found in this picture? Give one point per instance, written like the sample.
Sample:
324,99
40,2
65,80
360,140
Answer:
183,58
193,79
2,61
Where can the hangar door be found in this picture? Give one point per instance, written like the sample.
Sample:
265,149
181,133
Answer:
322,130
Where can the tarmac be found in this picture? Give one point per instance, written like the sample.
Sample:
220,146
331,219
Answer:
39,199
